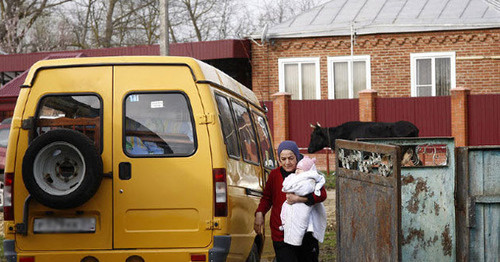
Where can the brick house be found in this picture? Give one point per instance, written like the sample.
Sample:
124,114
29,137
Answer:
400,49
389,48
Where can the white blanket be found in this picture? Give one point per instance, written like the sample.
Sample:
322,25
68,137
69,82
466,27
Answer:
299,218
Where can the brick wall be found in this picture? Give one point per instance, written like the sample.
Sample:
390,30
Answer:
477,59
367,107
459,116
321,161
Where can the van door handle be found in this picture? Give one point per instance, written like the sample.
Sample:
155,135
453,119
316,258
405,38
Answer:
251,192
125,171
107,175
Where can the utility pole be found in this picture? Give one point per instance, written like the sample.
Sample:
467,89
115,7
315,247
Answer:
351,65
164,29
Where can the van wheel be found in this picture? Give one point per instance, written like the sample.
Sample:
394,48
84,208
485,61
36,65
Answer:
62,169
254,254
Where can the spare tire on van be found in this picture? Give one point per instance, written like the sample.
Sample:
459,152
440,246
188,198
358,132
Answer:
62,169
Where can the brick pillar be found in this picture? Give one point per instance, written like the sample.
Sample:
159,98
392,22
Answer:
280,117
459,115
367,105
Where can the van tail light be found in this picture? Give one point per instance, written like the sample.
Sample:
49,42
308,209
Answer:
220,188
8,211
26,259
196,257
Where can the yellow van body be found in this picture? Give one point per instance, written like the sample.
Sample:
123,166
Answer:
147,207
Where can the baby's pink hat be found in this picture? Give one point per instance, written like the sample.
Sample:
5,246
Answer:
306,163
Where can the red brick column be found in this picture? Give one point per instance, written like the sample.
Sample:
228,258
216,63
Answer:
367,105
459,115
280,116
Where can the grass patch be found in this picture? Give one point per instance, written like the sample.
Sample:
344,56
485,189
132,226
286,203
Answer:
330,180
2,257
328,249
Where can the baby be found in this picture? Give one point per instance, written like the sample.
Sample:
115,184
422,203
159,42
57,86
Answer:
299,218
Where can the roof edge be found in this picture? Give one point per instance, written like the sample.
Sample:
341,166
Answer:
323,33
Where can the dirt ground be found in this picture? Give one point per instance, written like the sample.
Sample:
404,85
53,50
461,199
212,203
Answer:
328,249
330,206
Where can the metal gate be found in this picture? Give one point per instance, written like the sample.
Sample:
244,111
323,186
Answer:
478,204
427,198
368,202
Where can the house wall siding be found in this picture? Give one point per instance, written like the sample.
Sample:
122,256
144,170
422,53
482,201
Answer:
477,59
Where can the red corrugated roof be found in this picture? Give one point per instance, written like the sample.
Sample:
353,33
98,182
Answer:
210,50
21,62
207,50
12,88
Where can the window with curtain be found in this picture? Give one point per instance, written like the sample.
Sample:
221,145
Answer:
347,76
432,74
300,77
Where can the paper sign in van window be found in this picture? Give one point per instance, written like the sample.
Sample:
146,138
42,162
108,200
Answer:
156,104
133,98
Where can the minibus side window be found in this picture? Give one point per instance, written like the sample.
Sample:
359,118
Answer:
266,151
228,127
158,124
246,133
77,112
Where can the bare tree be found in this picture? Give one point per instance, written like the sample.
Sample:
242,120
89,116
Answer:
227,18
39,39
41,25
107,23
81,40
148,24
108,31
18,17
80,18
199,14
177,21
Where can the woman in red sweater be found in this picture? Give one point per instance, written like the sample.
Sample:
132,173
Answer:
273,198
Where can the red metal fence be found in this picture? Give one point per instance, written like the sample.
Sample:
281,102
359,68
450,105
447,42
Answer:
432,115
484,120
328,113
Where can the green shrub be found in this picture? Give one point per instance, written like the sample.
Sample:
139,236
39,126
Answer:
330,180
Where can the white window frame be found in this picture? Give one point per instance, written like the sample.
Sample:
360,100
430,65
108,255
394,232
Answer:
432,56
299,60
349,60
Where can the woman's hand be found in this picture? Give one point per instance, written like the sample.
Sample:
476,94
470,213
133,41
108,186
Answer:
292,198
259,223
